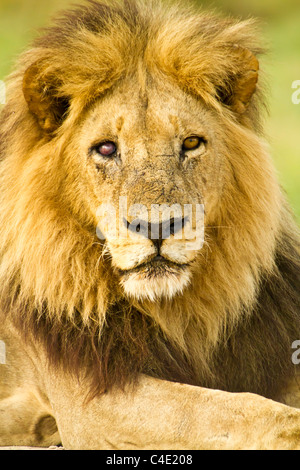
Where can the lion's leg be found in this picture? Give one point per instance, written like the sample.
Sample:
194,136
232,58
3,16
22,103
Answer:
25,416
24,423
165,415
154,415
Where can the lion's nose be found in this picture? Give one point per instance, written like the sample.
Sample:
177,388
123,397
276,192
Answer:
157,232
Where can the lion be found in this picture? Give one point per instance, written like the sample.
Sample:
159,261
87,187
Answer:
126,321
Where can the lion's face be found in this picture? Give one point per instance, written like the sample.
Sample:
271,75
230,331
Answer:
138,145
151,163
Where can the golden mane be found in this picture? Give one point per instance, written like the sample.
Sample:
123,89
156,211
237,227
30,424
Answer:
55,281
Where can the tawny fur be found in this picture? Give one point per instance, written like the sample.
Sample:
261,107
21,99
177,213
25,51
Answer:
55,280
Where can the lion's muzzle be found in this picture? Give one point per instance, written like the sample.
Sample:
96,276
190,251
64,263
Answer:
152,259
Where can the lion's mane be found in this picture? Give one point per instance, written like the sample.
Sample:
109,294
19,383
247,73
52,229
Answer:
233,328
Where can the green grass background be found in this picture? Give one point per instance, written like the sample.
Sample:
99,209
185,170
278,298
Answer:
20,20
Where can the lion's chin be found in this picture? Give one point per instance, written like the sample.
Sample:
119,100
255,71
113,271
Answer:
153,283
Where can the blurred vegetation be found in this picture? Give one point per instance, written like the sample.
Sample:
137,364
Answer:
20,20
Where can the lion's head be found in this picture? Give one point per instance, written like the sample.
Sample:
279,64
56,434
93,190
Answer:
149,115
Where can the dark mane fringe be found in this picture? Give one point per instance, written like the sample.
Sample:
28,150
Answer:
256,357
114,356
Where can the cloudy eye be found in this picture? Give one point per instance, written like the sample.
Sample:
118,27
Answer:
106,149
192,143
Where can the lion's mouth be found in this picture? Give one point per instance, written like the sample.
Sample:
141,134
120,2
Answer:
155,279
156,267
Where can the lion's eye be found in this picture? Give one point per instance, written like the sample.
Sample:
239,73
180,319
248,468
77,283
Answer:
106,149
192,143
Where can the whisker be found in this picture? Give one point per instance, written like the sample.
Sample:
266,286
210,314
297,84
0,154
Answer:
105,253
218,226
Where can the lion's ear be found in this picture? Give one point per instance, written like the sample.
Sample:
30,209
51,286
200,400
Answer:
243,82
41,94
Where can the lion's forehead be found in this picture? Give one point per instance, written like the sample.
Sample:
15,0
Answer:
160,110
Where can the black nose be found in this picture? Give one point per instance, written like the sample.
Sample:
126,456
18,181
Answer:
157,232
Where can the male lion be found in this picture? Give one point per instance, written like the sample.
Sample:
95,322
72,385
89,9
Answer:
144,341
